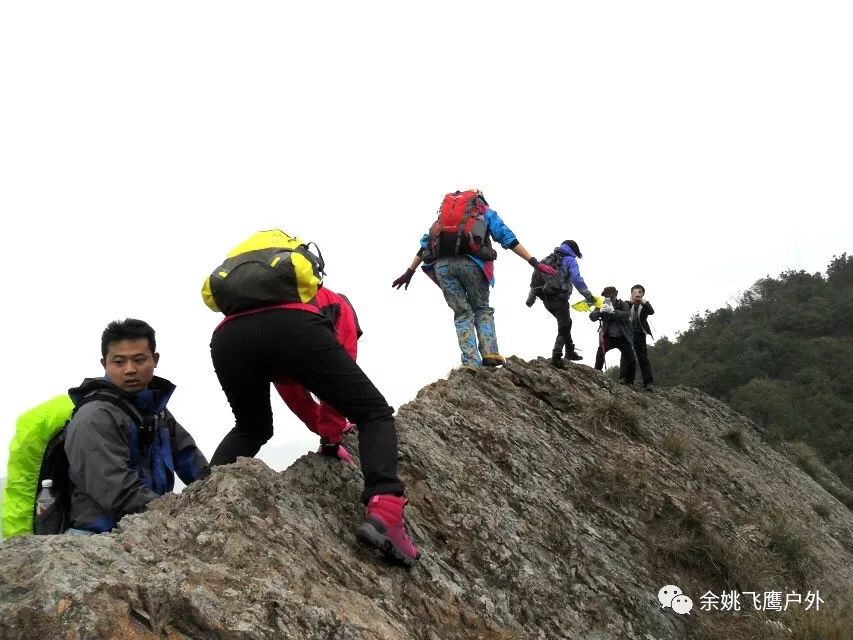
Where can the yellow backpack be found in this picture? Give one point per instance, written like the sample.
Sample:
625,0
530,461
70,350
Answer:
268,268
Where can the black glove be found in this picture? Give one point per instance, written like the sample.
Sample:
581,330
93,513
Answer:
404,279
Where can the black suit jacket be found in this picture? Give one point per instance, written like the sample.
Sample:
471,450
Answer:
646,310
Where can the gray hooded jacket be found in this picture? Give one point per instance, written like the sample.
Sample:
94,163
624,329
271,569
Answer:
117,466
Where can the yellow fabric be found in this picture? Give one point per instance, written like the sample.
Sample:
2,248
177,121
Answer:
271,239
583,306
207,295
306,281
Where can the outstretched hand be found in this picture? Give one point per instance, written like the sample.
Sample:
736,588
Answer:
546,269
404,279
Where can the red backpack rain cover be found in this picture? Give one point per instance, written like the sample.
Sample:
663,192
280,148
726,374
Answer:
461,225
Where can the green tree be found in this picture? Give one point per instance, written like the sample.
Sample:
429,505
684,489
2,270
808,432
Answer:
782,356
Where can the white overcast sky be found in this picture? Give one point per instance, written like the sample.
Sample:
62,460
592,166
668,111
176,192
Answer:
692,147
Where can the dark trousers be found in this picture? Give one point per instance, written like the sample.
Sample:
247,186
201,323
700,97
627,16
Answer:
627,366
642,358
558,306
250,352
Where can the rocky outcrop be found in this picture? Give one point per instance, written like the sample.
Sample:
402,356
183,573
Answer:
547,504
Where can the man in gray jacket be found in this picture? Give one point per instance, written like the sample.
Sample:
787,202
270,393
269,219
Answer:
615,332
124,446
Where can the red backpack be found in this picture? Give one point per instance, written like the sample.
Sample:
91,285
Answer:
461,227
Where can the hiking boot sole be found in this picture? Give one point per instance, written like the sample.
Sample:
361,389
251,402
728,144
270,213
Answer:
369,535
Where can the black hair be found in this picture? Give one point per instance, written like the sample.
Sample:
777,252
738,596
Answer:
609,291
127,329
574,247
640,287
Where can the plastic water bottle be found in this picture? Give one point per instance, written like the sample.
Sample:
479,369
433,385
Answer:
46,499
48,517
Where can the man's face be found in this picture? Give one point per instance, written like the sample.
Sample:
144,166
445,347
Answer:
129,364
637,295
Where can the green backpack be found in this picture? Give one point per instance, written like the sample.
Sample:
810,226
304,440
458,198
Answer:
34,432
37,453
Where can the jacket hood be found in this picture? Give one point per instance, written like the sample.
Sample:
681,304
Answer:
566,250
150,400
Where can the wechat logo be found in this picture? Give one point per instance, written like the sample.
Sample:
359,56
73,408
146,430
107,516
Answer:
674,598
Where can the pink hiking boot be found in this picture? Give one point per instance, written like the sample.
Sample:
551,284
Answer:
384,528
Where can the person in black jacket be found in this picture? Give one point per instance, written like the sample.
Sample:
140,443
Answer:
639,311
615,333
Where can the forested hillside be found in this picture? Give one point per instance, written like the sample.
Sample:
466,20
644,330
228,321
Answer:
783,356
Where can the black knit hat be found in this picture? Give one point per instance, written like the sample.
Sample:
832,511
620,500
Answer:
574,247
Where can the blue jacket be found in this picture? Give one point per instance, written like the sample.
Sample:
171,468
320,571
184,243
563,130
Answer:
496,228
113,470
570,273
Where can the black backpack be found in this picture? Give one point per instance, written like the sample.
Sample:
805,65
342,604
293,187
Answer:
549,285
54,466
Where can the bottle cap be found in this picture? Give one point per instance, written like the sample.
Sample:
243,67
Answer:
47,484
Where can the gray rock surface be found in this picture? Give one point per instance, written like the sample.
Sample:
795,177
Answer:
546,504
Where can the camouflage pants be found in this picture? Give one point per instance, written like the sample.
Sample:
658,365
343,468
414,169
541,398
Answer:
466,291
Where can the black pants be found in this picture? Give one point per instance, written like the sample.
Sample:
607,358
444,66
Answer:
249,352
642,358
558,306
627,366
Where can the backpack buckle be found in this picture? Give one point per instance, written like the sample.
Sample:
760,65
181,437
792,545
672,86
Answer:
149,426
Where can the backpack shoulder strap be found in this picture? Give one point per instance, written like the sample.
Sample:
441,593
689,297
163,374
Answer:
115,399
128,407
358,331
